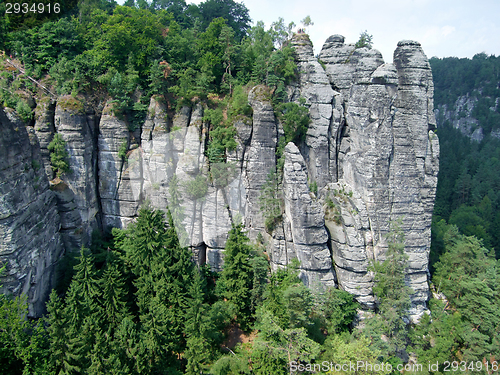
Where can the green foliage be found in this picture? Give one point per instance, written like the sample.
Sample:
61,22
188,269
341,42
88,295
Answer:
467,191
197,187
222,132
275,348
365,40
313,187
58,155
122,150
238,105
235,13
22,342
24,111
465,325
393,298
295,120
337,311
345,349
236,281
271,202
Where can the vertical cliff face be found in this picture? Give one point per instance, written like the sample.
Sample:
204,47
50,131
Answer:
30,244
387,157
77,192
370,149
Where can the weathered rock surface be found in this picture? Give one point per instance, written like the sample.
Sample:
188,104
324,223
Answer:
307,237
260,157
119,205
30,244
387,160
45,129
370,149
80,134
324,109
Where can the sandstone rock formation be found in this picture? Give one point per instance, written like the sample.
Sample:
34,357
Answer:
387,160
77,195
30,243
370,149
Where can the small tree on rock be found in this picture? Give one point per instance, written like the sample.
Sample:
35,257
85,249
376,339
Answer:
365,40
58,155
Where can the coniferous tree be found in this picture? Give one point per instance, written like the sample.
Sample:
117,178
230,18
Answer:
83,314
113,295
56,329
393,298
235,283
198,329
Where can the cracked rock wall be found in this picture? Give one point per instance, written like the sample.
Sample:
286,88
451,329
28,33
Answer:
30,243
370,149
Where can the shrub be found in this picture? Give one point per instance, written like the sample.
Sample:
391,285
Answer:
24,111
58,155
122,151
365,40
271,204
197,187
295,120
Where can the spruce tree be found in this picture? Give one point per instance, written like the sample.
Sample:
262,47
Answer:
393,298
235,283
83,314
197,329
113,295
56,320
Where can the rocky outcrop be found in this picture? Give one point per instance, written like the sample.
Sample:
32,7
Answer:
30,244
44,130
369,158
119,172
325,112
77,196
305,233
387,161
260,157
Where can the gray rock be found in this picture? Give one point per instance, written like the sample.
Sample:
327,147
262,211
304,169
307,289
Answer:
30,244
387,162
307,227
260,157
71,122
45,129
119,175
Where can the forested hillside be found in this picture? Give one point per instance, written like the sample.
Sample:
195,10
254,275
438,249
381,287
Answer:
134,302
468,193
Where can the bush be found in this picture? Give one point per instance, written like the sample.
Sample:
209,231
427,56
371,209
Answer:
197,187
295,120
58,155
271,204
24,111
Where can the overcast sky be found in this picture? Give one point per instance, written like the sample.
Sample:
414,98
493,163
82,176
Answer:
459,28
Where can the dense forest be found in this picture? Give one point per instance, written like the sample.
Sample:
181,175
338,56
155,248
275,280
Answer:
468,192
135,303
